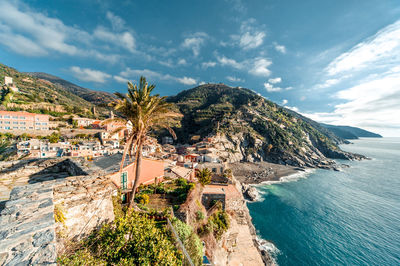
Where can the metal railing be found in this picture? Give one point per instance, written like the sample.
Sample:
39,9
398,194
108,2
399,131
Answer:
171,227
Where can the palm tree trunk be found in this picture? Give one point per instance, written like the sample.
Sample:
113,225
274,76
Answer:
137,173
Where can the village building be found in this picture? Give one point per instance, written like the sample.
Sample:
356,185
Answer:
211,194
152,171
84,122
180,172
23,122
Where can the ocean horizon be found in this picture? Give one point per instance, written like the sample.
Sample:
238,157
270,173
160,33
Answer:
324,217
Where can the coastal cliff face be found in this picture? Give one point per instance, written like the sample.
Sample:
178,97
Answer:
250,128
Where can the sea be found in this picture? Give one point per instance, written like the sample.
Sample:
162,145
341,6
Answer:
324,217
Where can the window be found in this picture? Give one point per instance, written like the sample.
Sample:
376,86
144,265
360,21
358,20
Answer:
1,116
22,117
6,116
22,123
7,128
1,122
15,117
15,123
124,180
214,170
7,122
1,127
38,124
44,124
15,127
22,127
30,127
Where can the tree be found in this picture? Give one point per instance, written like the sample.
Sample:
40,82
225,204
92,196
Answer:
140,113
204,176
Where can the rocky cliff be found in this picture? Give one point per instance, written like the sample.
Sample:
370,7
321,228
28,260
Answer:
248,127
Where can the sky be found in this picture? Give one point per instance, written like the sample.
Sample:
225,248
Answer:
336,62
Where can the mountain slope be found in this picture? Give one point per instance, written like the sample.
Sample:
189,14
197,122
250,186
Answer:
39,95
348,132
95,97
253,128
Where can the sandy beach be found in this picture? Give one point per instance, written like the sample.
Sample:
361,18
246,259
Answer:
256,173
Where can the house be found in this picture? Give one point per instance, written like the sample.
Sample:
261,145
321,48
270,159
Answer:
84,122
193,157
213,193
24,122
180,172
151,171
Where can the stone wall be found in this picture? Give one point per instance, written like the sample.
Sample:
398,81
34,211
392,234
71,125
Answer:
28,231
27,227
86,202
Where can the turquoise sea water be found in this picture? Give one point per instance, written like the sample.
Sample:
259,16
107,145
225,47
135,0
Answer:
337,218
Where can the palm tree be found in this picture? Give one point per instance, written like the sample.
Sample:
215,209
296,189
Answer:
142,112
204,176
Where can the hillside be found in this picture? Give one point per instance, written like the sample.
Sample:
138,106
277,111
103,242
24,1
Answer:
95,97
39,95
253,128
348,132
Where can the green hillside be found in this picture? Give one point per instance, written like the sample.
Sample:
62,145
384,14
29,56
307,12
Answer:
258,127
42,96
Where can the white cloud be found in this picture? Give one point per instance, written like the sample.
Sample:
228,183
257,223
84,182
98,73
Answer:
46,33
224,61
234,79
383,47
250,36
31,33
117,22
373,104
125,39
129,73
89,75
251,40
293,108
284,102
187,81
202,83
275,80
260,67
120,79
194,42
280,48
182,61
271,88
208,64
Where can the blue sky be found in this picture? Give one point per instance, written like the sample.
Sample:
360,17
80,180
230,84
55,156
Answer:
334,61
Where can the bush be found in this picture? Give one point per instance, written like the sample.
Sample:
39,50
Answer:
142,198
204,176
131,240
181,182
190,240
199,215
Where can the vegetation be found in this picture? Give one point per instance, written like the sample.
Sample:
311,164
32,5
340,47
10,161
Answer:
133,239
204,176
217,224
190,240
145,112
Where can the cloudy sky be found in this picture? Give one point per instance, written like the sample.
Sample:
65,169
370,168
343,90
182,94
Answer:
334,61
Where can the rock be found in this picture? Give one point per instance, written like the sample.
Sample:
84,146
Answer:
250,192
43,237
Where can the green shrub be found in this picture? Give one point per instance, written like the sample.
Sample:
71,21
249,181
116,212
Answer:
199,215
130,240
190,240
